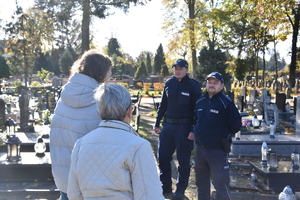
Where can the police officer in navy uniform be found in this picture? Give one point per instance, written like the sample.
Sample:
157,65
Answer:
177,107
217,119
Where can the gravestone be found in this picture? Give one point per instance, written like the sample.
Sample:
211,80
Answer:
288,92
2,114
24,110
271,114
240,103
243,92
47,96
280,101
296,86
252,98
295,105
298,117
265,99
259,110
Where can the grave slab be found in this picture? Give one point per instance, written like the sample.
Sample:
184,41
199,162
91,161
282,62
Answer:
250,145
278,180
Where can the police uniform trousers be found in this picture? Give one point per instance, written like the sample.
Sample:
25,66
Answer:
174,137
212,164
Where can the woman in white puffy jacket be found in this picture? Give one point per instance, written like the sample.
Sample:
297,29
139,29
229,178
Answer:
113,162
76,113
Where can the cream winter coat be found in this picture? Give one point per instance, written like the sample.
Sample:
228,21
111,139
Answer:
113,163
75,115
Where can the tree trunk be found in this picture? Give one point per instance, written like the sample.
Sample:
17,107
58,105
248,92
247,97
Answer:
276,66
292,76
264,68
191,6
85,45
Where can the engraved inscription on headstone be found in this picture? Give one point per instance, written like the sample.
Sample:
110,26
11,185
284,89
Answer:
271,114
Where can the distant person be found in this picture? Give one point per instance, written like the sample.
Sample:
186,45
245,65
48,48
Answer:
217,120
177,107
76,112
113,162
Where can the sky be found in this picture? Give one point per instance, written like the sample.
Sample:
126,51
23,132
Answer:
138,30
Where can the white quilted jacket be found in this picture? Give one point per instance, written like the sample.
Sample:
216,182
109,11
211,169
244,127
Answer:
75,115
113,163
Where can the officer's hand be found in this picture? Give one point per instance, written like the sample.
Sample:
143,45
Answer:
191,136
156,130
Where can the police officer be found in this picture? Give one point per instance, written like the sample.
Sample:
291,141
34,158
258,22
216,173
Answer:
216,119
178,108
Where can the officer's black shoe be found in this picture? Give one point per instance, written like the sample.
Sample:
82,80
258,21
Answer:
178,195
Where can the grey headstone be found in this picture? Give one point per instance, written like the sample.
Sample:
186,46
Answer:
296,86
243,92
271,114
252,96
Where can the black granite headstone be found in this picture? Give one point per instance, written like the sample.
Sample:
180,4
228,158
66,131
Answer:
295,105
280,101
240,103
2,114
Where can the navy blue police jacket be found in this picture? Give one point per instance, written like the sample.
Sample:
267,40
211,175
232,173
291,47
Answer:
216,118
179,99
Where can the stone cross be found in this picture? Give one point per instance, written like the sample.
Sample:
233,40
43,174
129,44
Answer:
24,109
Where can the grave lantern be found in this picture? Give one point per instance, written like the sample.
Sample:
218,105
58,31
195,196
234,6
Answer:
295,156
13,149
10,126
272,130
287,194
13,143
264,151
255,122
40,148
272,160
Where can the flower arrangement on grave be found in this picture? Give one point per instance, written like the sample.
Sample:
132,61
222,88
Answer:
47,117
246,125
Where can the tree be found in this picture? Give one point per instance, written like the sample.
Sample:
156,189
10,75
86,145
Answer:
159,59
164,71
4,69
148,63
242,67
141,70
113,47
280,14
20,44
212,59
65,62
64,10
183,21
